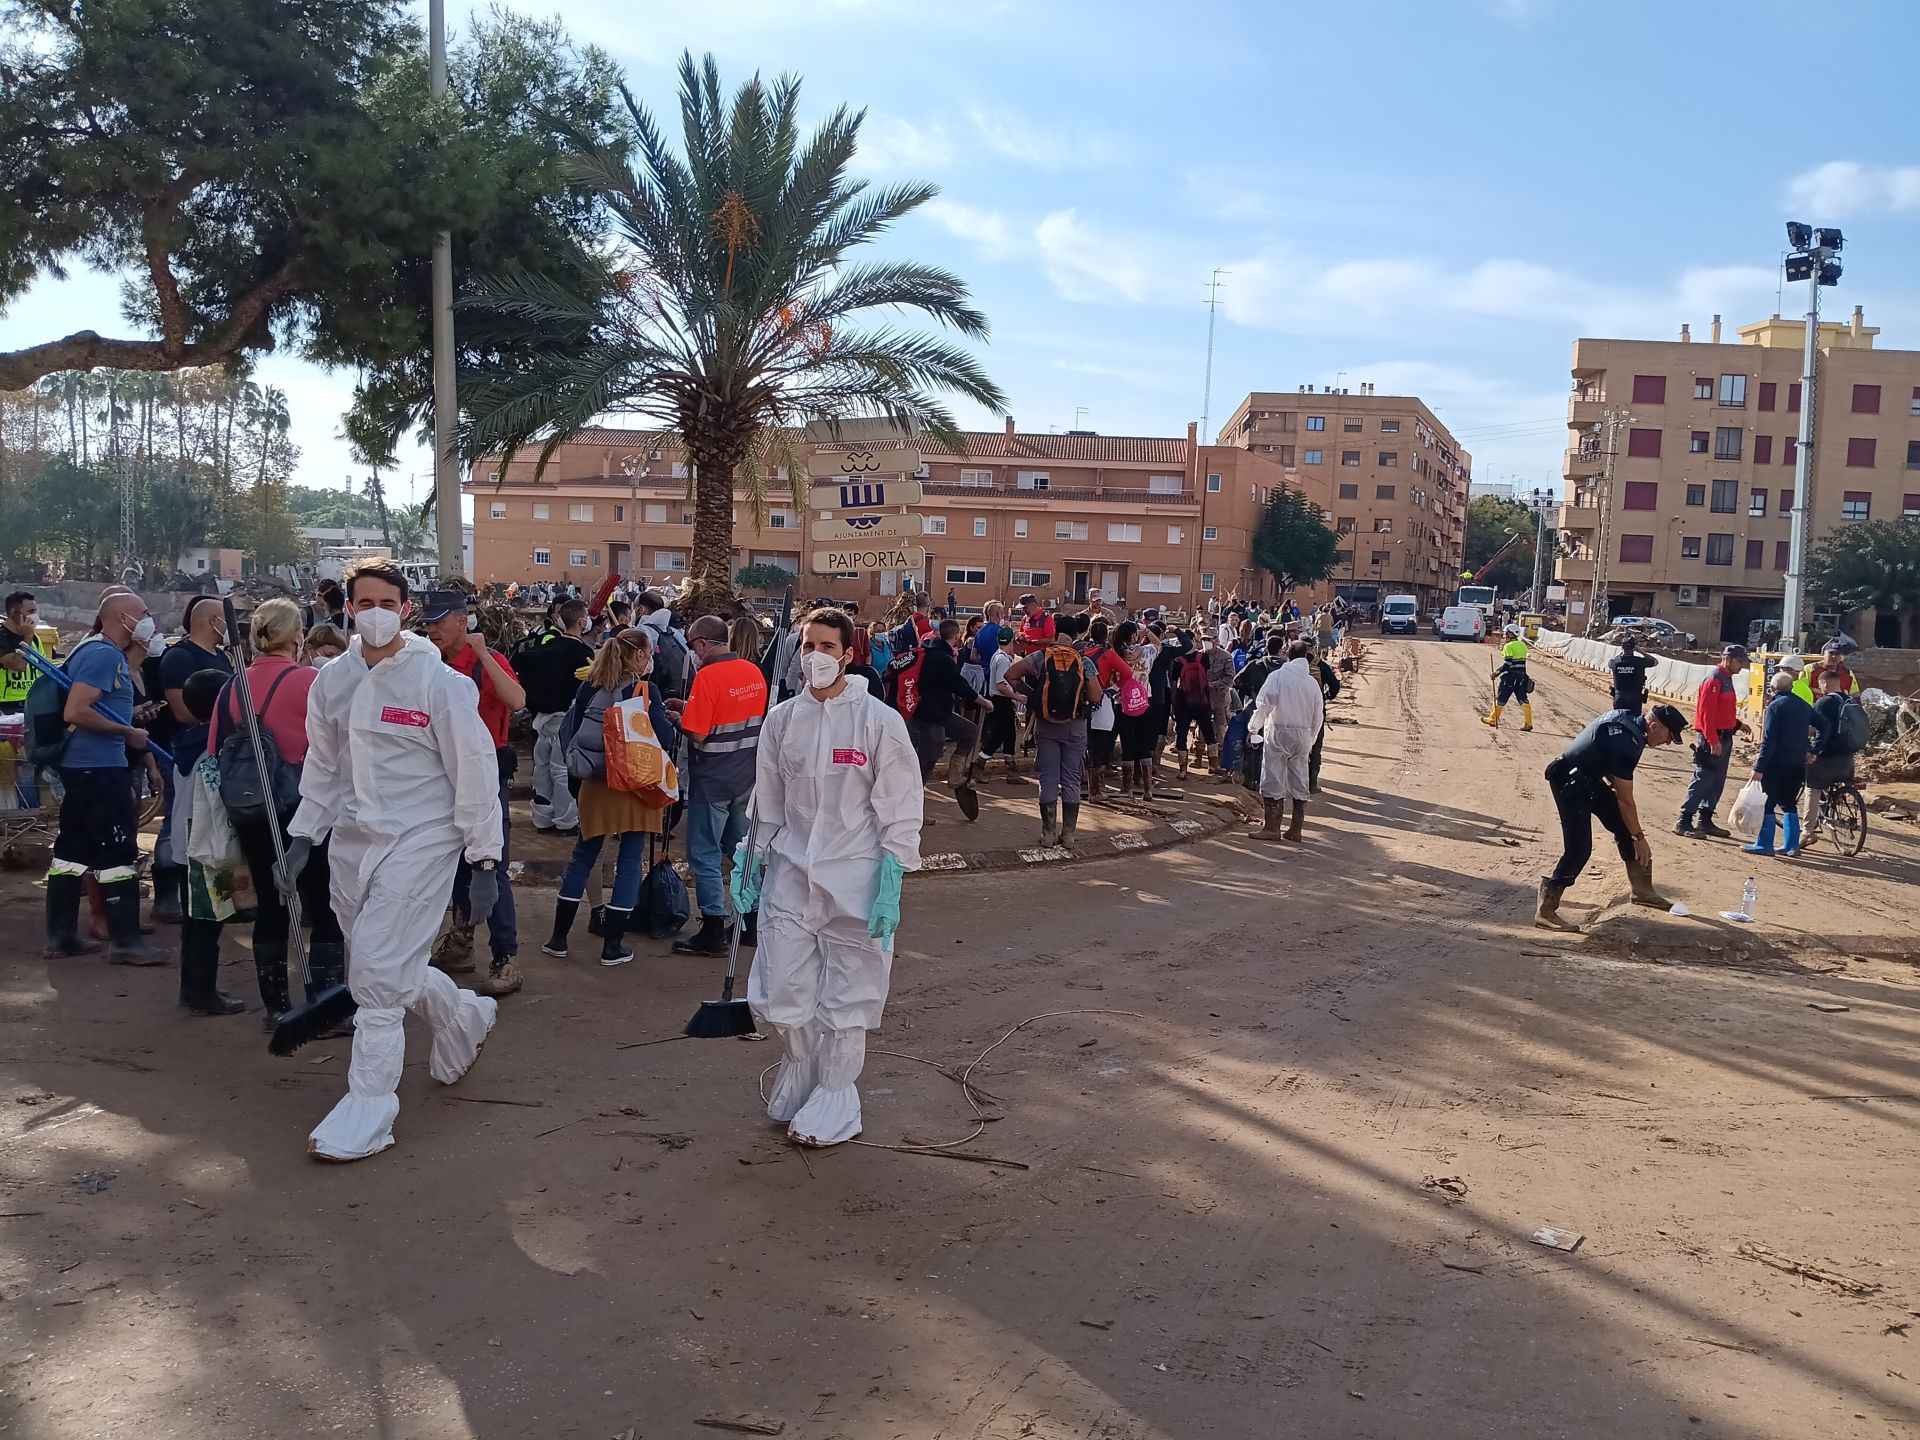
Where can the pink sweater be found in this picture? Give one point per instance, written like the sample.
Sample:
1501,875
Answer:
286,718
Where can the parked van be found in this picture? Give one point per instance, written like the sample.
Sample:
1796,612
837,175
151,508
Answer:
1463,622
1400,615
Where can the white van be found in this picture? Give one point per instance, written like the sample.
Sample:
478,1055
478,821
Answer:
1400,615
1463,622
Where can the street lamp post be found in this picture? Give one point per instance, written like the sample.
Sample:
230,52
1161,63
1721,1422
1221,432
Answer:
1813,259
446,465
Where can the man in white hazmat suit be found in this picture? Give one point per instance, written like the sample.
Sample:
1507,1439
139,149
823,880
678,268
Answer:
401,771
835,827
1287,714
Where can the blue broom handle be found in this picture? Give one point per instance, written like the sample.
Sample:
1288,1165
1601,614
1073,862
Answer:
59,677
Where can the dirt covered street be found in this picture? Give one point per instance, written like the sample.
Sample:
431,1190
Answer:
1273,1173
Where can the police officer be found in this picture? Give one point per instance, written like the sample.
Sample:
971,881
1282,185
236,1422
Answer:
1629,671
1593,780
1513,682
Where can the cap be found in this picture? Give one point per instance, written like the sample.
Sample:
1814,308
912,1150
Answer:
1513,630
1671,718
1834,647
438,604
1793,663
1027,599
1735,652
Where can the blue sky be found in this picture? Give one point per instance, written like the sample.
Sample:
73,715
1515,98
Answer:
1437,196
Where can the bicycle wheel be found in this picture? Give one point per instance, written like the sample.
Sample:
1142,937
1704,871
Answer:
1846,819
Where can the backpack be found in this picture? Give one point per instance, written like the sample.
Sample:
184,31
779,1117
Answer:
1134,698
1061,689
250,796
1194,686
663,907
47,728
901,684
1850,735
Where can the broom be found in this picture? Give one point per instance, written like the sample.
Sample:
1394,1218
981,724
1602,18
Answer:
334,1006
725,1017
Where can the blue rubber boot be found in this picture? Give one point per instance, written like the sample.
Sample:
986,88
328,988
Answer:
1764,845
1792,847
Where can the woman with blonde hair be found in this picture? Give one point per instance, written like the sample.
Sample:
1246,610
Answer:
324,643
745,638
279,683
618,673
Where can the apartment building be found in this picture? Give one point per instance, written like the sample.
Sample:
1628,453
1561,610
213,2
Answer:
1142,520
1686,514
1395,478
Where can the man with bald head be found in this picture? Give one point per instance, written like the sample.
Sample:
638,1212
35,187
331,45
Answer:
98,822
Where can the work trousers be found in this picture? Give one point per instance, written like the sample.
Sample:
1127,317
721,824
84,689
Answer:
554,807
503,929
1709,780
98,824
1187,715
1001,735
1060,758
270,915
930,738
1580,802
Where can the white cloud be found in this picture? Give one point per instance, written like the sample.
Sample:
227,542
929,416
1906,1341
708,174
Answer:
1044,147
1841,188
987,230
889,144
1088,264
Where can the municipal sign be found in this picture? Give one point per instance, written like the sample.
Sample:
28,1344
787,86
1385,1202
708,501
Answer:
858,458
860,528
839,432
856,494
882,556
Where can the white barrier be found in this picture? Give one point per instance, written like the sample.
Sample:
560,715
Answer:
1677,679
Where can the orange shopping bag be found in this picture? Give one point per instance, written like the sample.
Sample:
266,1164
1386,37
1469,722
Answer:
637,763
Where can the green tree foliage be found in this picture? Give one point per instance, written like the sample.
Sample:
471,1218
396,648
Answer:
764,577
1872,566
1293,542
732,308
1491,522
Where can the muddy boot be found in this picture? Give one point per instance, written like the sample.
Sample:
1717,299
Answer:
200,968
563,913
1546,910
453,951
326,968
1205,761
270,969
709,939
1183,762
1094,776
502,978
1146,781
1126,781
63,918
1272,829
1292,831
169,889
126,944
1641,878
1526,717
1049,824
1492,717
1070,824
1014,776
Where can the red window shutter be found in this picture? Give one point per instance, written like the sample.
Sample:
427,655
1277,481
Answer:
1756,554
1789,449
1860,454
1641,495
1645,444
1866,399
1786,502
1782,551
1650,390
1910,505
1636,549
1763,449
1793,396
1768,390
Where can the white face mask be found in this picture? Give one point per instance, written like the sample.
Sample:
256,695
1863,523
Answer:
820,669
143,632
377,627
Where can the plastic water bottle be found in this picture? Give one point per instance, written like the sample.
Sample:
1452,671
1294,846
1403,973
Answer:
1749,900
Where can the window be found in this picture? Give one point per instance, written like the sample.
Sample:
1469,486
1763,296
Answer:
1641,495
1789,449
1030,579
1719,549
1176,535
1160,584
1763,449
1165,484
1916,401
1312,457
1636,549
1353,426
669,559
1726,497
1213,484
596,559
961,575
1389,457
540,510
1860,454
1349,492
1793,398
1757,503
1866,399
978,479
936,524
1033,480
1768,390
686,517
1020,529
1643,444
497,510
1697,442
1786,502
1283,453
1211,532
576,557
1649,389
980,530
1756,554
1689,547
1206,580
1118,534
1350,457
1383,527
1069,529
1389,427
1383,492
1913,454
1316,422
1733,391
783,520
1702,387
1782,553
542,556
1910,507
579,512
1727,442
1856,505
654,514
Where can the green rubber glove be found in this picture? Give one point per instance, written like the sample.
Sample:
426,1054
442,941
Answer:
884,918
743,886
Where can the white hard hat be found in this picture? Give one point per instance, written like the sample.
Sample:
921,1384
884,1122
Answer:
1513,629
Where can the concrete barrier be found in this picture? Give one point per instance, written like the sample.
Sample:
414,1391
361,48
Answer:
1677,681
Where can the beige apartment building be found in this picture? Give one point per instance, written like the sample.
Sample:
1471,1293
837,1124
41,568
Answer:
1142,520
1680,466
1394,477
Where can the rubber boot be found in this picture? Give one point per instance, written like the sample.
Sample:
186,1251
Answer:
614,928
63,918
1146,780
750,928
1763,845
502,978
1013,769
453,951
1684,826
1070,823
1272,829
200,968
1641,878
1183,762
125,944
1546,910
1049,823
1094,781
169,884
1792,846
1492,717
96,908
1126,781
270,969
1526,715
1299,815
709,939
327,967
563,913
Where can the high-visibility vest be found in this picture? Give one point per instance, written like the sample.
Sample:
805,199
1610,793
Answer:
14,684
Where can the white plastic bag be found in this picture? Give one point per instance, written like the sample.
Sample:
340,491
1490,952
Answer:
210,834
1101,717
1743,816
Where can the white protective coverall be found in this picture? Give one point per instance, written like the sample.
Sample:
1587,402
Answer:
1287,713
402,772
837,786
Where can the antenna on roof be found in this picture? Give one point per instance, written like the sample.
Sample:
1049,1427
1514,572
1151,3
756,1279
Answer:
1206,398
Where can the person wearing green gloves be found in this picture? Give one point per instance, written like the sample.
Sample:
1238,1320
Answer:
835,826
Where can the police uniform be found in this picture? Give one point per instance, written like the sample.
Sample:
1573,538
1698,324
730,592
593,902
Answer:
1605,751
1513,683
1628,671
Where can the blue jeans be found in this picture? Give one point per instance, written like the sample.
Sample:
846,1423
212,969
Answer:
626,869
503,925
714,828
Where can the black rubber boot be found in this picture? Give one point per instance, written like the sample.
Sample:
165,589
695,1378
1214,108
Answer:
63,918
750,933
612,949
597,920
169,895
270,968
200,969
1069,822
327,967
563,913
709,939
1049,822
125,944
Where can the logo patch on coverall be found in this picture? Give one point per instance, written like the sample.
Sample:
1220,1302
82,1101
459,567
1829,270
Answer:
849,757
394,715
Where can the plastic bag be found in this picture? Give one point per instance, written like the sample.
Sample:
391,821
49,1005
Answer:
211,839
1743,816
1101,717
637,763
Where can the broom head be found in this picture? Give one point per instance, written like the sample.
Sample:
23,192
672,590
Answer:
720,1020
328,1010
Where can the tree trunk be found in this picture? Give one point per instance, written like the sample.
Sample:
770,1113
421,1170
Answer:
710,569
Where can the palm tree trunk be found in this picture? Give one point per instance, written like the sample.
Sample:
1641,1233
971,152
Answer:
710,569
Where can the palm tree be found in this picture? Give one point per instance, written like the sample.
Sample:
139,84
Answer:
729,312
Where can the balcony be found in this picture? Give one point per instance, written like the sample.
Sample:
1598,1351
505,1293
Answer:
1585,458
1076,494
1580,519
1575,569
1585,406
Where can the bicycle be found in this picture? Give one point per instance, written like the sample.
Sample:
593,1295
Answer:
1841,817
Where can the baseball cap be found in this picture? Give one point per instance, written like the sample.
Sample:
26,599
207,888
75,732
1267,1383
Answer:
1793,663
1735,652
438,604
1670,717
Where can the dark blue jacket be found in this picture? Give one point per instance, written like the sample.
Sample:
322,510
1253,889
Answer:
1787,736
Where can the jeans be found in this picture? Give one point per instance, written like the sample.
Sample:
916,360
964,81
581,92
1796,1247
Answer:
1709,780
714,827
930,738
1580,802
553,803
503,929
626,869
270,917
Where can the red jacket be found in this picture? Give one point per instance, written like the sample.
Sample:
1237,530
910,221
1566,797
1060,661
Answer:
1716,709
